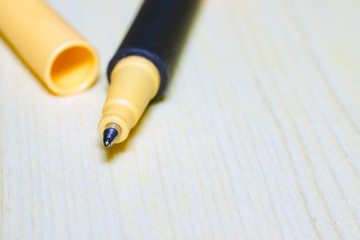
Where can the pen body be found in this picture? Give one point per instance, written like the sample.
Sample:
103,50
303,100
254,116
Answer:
140,68
157,34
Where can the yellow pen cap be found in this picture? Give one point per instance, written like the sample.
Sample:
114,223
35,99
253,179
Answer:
56,53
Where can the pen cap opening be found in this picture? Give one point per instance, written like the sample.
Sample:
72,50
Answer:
72,69
62,59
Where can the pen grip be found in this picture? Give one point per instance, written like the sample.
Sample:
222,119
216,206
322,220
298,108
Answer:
157,34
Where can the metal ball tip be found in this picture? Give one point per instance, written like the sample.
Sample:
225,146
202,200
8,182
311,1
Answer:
107,143
111,135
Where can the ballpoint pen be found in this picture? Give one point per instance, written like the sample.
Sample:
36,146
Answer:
141,67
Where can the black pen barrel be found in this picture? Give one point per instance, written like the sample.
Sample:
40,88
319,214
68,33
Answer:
157,34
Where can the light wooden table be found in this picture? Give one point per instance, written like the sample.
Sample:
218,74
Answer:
258,136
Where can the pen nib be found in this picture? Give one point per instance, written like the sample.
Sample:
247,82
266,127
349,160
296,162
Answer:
107,143
111,135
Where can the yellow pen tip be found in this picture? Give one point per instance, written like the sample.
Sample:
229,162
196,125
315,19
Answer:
134,82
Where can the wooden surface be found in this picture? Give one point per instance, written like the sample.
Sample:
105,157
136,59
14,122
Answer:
258,136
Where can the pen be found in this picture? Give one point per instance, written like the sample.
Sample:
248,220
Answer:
141,67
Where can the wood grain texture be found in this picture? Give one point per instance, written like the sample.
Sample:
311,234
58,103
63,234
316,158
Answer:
258,136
